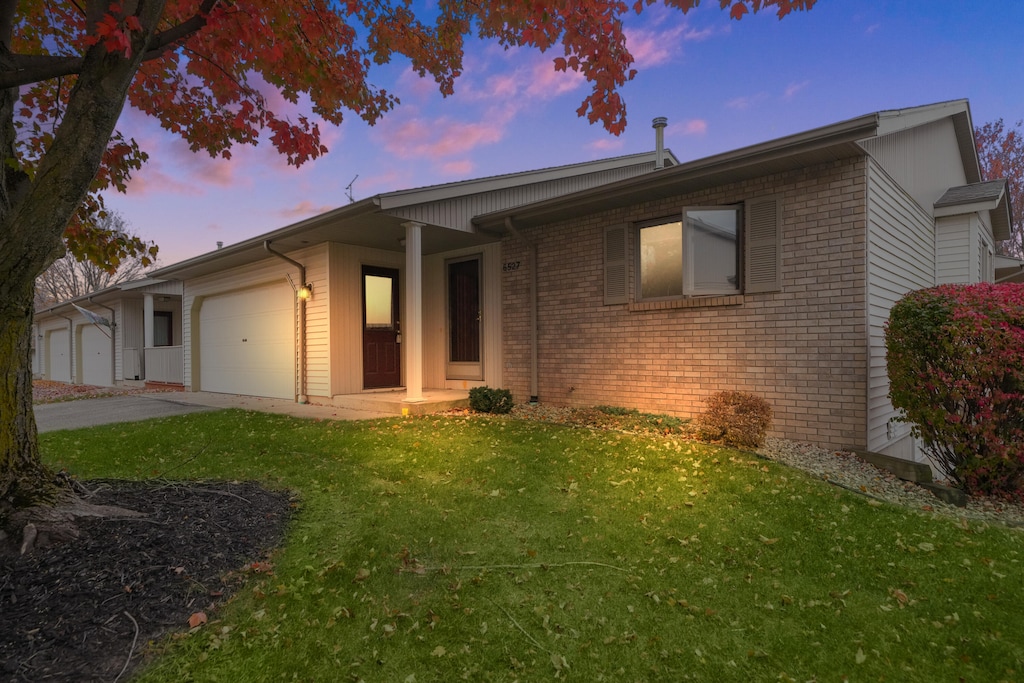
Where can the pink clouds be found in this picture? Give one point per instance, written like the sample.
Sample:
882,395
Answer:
604,145
659,45
690,127
462,168
303,209
440,137
545,83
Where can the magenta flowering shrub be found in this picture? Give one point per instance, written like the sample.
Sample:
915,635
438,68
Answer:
955,356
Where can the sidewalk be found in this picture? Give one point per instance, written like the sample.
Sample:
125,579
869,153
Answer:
90,412
266,405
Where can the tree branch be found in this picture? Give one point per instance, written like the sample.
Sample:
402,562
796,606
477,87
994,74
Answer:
18,69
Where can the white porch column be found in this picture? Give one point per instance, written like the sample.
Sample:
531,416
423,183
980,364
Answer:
412,326
147,321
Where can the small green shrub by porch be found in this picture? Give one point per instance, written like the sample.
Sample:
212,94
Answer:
487,400
736,418
955,357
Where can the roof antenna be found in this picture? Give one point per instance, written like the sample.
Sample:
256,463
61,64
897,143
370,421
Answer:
348,189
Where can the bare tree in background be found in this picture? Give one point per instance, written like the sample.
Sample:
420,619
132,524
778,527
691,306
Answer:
1001,153
68,278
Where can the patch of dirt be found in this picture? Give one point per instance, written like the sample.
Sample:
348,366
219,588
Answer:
86,609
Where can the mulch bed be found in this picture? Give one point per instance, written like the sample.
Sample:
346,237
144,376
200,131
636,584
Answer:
86,609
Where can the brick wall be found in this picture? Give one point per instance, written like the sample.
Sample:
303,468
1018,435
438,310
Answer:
804,348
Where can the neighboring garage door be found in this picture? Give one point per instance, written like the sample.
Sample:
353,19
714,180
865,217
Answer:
58,356
97,361
247,342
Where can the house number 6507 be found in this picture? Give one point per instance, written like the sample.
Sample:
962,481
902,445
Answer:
510,266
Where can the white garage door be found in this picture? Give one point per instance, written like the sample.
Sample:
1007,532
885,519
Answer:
97,361
247,342
58,356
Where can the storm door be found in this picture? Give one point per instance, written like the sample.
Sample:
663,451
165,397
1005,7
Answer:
464,317
381,333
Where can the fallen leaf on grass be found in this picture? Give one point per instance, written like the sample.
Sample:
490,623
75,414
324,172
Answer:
559,662
197,619
361,575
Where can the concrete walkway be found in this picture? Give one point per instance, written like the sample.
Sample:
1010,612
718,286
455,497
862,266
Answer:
90,412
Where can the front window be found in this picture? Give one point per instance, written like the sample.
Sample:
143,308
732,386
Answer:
697,256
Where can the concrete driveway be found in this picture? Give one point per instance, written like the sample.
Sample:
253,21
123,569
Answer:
90,412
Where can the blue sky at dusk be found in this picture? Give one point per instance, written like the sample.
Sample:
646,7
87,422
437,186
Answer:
722,84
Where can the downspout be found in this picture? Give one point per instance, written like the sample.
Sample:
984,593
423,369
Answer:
113,344
302,320
533,307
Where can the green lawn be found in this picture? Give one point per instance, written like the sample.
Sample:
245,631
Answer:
489,549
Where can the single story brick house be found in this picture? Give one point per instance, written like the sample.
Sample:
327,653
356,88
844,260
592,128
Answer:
636,281
769,269
398,292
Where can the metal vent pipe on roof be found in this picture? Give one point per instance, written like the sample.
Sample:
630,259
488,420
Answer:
659,124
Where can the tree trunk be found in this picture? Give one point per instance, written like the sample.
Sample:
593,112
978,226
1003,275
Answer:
34,212
24,480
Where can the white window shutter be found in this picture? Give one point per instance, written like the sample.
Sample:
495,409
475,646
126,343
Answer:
615,266
763,253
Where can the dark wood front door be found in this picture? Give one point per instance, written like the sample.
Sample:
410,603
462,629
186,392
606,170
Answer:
381,332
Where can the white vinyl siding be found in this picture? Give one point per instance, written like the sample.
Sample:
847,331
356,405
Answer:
901,258
924,160
952,249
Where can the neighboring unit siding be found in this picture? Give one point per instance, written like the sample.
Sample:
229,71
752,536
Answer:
803,348
901,258
458,213
952,247
924,160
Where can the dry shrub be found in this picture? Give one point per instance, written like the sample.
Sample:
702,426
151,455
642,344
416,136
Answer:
736,418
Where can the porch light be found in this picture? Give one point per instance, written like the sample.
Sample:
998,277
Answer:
306,291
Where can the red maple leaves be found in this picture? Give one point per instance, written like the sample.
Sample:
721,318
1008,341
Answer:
219,74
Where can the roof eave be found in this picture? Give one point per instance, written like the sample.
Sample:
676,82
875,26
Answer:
254,245
841,137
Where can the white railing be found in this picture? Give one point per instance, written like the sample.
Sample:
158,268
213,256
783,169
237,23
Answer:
165,364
